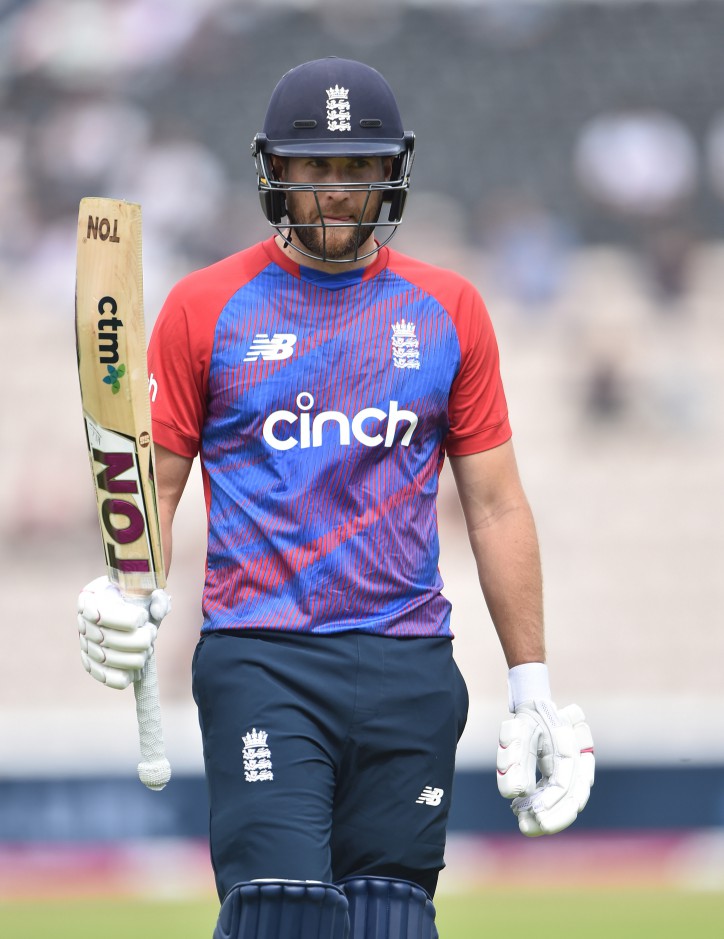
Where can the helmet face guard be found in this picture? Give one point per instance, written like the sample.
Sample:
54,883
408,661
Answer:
334,108
272,194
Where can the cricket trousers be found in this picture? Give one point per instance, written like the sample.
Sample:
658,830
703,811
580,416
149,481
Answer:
328,756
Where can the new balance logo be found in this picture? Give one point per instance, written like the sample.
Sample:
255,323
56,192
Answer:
430,796
279,347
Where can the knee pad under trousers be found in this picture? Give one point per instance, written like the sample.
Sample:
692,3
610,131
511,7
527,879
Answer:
356,908
384,908
278,909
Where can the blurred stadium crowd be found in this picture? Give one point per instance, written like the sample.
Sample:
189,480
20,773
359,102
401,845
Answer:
570,162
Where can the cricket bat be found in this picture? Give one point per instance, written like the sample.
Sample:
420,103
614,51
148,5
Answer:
111,346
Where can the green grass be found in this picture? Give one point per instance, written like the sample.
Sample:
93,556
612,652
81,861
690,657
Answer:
582,914
555,914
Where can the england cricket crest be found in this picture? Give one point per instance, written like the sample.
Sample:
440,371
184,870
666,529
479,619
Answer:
257,757
405,345
338,115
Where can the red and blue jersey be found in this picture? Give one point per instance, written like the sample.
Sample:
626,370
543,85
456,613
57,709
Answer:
322,406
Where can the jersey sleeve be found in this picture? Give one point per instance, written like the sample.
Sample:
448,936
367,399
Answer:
477,409
179,353
182,341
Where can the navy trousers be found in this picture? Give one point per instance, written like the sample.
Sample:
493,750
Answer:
328,756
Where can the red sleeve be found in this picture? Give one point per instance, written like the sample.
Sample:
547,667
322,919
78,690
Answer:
477,409
178,361
179,353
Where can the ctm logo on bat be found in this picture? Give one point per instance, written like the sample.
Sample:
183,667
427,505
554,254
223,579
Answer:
108,326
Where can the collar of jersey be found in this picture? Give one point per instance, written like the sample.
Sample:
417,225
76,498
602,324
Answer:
311,275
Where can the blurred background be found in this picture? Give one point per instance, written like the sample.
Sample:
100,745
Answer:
570,162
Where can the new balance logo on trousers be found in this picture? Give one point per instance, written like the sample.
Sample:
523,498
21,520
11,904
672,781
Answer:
430,796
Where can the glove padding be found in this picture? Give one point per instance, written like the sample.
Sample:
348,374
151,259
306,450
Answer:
559,745
117,634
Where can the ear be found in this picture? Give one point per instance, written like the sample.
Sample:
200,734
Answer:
387,167
279,167
273,202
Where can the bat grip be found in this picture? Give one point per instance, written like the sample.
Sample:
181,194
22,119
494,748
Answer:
154,770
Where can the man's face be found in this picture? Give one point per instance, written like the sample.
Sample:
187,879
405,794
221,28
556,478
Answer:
340,211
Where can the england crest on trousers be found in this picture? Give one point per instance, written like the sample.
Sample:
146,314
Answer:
257,757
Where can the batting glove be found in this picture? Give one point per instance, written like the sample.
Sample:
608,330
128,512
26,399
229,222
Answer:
117,634
545,761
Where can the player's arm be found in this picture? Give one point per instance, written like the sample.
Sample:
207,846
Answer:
505,546
172,473
545,755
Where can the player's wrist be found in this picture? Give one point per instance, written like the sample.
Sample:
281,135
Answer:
527,682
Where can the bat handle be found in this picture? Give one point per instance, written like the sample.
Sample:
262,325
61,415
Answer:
154,770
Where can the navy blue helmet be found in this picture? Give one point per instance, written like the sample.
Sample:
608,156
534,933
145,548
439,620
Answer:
334,107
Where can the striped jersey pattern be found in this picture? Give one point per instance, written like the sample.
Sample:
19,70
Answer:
322,406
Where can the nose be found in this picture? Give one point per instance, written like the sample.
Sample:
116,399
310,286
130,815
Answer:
333,198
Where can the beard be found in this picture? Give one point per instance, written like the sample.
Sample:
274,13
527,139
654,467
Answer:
345,240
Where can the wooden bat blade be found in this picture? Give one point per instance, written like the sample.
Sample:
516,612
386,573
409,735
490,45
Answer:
111,348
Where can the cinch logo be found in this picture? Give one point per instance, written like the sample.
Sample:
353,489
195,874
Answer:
279,347
365,426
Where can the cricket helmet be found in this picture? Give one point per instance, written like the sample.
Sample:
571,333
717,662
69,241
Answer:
334,107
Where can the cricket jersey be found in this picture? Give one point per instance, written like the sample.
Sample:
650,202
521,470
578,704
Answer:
321,406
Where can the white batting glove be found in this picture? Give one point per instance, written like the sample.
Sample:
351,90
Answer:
554,745
116,634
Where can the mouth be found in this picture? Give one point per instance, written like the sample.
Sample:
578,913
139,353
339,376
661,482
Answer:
339,220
